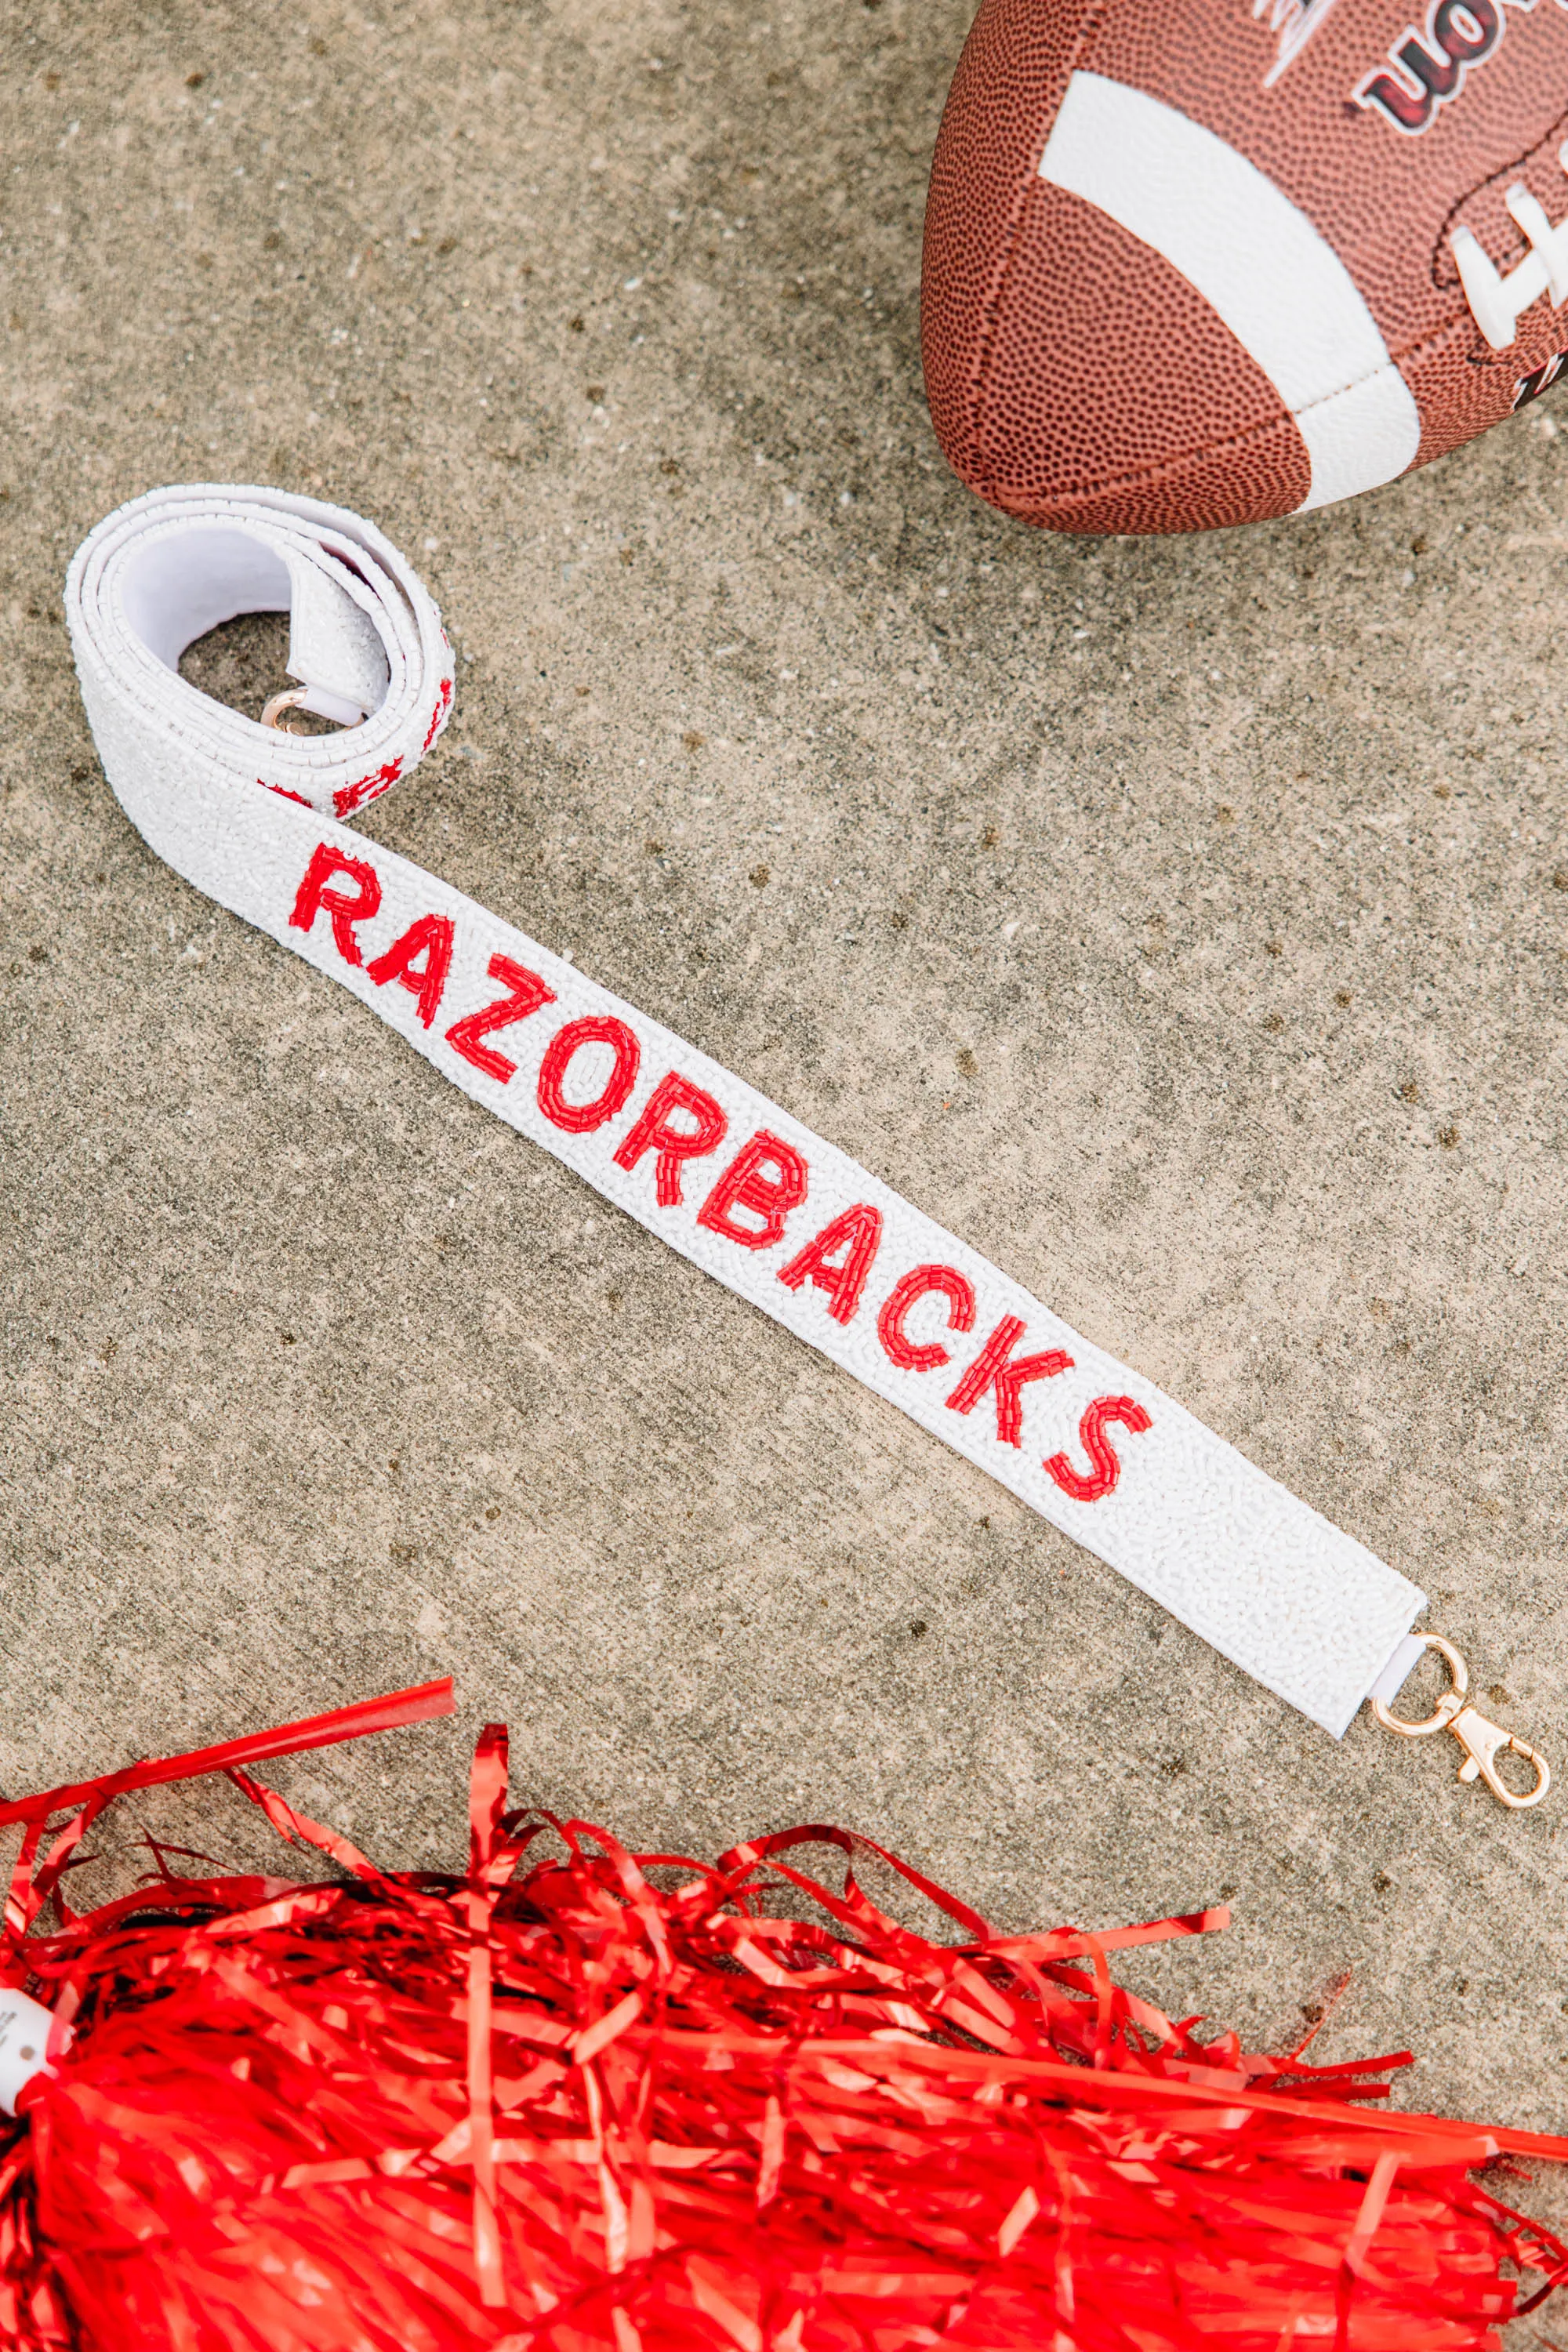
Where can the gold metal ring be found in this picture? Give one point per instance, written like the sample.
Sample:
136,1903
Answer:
1483,1742
1447,1706
289,699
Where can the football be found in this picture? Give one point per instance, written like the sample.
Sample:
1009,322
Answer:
1198,264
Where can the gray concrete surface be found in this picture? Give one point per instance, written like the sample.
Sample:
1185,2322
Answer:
1184,922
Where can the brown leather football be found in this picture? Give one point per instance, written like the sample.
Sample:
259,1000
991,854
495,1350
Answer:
1194,265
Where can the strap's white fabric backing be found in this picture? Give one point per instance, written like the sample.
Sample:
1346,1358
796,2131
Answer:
248,816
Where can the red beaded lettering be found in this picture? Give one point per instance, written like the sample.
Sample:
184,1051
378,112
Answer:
923,1282
525,994
430,937
315,896
858,1234
652,1131
580,1118
767,1177
995,1366
1091,1435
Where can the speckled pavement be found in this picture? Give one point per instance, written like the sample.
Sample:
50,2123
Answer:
1184,922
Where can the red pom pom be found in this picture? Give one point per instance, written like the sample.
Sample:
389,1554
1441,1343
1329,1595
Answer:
615,2100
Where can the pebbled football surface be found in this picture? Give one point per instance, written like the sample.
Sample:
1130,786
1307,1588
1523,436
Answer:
1187,269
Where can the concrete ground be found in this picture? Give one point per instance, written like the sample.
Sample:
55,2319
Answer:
1184,922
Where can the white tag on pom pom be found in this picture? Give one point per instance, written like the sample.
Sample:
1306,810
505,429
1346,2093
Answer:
24,2029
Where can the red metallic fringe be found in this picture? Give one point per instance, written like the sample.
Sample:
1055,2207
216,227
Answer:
615,2102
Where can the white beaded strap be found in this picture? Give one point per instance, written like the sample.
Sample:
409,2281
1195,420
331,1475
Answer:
251,815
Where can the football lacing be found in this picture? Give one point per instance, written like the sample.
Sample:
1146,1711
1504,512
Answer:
1497,302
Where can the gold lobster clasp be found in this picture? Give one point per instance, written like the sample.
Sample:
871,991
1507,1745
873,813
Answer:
1483,1742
